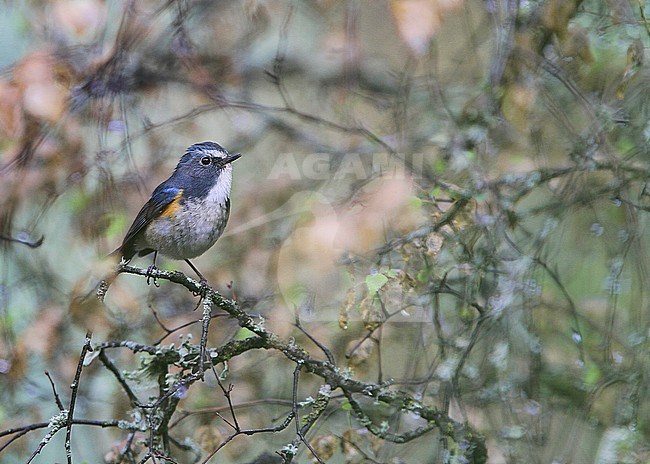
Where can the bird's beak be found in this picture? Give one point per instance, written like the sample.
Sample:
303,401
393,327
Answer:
230,158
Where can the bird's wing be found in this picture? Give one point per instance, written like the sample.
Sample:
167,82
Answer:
162,202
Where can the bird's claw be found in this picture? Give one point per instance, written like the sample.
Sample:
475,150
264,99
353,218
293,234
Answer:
150,277
204,288
202,292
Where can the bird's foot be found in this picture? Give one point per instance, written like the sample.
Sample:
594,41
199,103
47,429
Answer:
150,277
202,292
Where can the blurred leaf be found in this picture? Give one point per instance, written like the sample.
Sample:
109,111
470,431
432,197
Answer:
12,118
242,334
375,282
418,20
346,307
208,437
43,96
391,273
592,374
117,224
80,18
325,446
434,243
361,352
423,275
439,166
415,202
371,316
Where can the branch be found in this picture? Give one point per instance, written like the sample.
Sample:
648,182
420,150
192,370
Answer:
23,241
469,441
73,399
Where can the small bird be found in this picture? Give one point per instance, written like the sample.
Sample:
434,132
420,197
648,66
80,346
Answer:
188,212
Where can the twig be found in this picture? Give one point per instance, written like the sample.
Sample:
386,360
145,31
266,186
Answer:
273,429
120,378
57,399
21,431
65,417
160,323
169,332
226,393
300,431
73,398
323,348
473,443
22,241
271,401
126,449
205,325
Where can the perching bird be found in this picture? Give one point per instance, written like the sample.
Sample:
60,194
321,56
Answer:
188,212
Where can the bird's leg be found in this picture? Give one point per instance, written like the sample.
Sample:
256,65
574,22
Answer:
202,279
231,286
151,268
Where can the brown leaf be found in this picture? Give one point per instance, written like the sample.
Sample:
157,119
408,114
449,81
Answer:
12,118
325,446
362,353
42,336
346,307
434,243
80,18
43,96
371,316
208,437
419,20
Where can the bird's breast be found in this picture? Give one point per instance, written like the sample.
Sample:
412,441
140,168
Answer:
195,224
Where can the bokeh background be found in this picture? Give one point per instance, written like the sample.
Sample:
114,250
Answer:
448,193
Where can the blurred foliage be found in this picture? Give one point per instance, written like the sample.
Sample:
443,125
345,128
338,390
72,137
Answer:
450,196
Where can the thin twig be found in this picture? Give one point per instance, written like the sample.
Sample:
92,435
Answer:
323,348
120,378
205,325
22,431
160,323
273,429
227,393
270,401
57,399
22,241
73,398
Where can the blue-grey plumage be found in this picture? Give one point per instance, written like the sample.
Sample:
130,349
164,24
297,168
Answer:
187,213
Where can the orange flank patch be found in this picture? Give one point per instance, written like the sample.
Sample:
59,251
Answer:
172,208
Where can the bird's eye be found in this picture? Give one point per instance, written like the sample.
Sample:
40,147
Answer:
205,161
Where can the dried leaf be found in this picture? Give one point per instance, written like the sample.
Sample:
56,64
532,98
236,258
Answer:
80,18
634,61
346,307
43,96
12,119
419,20
208,437
325,446
361,353
348,442
434,243
371,316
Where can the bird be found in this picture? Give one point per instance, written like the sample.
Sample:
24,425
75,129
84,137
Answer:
187,213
